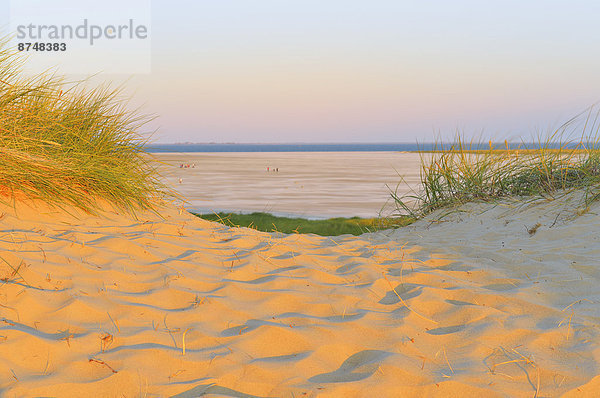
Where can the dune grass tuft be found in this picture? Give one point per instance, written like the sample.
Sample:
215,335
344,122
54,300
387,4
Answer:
462,172
66,144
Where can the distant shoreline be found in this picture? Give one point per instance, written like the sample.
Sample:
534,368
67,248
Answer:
361,147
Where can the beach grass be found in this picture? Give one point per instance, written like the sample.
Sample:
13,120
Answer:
462,172
67,144
330,227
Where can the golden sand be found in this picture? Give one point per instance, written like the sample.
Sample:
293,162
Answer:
476,305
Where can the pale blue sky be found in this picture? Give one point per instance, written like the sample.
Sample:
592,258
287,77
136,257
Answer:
367,71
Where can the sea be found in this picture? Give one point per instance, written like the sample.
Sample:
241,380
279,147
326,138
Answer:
314,185
308,180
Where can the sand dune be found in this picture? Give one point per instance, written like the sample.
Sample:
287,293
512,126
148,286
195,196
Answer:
477,305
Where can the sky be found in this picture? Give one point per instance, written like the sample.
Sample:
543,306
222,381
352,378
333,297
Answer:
364,71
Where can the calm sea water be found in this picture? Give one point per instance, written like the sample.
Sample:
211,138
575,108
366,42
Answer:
302,184
305,180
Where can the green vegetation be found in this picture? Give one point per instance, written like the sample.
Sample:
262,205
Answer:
456,174
331,227
67,145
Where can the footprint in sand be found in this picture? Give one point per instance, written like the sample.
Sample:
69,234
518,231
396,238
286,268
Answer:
357,367
459,302
249,326
284,358
210,389
446,330
405,290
